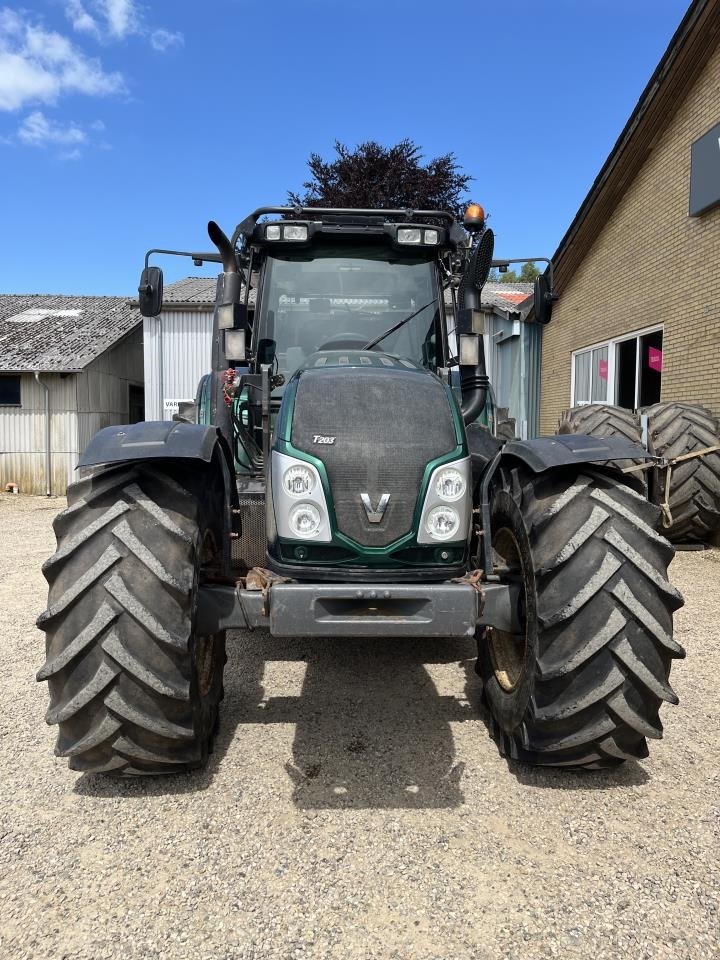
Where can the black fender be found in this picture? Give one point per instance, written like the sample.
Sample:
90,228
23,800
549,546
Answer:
549,453
168,440
572,448
152,440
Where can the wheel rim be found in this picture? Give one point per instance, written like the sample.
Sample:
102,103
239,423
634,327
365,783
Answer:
508,650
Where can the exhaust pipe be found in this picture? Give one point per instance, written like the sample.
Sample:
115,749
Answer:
474,381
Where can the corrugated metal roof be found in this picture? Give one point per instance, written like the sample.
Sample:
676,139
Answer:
191,290
52,332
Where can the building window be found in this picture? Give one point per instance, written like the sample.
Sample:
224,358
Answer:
9,391
626,371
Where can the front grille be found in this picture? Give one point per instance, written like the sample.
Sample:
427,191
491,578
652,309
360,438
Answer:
388,423
248,550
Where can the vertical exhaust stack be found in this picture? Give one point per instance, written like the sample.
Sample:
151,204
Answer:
474,381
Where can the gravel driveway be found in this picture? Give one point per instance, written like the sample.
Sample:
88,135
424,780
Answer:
355,807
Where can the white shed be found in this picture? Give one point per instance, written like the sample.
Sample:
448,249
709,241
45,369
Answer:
178,345
68,366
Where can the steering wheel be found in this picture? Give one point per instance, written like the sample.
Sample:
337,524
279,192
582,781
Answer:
345,341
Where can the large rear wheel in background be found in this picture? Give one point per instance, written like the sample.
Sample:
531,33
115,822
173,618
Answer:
582,683
675,429
133,687
605,420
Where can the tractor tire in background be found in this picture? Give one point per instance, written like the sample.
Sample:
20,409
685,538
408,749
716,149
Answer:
505,429
582,683
133,688
673,430
605,420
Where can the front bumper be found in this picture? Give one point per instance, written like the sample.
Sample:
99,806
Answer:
358,609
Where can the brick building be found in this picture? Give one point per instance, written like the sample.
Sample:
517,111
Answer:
638,276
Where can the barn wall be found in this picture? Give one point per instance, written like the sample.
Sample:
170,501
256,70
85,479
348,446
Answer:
22,435
184,338
103,387
651,265
80,404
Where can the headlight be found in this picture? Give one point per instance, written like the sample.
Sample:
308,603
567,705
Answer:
298,500
305,521
294,232
406,235
442,523
272,232
298,481
450,484
431,236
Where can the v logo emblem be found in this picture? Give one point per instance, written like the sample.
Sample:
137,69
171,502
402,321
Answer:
375,514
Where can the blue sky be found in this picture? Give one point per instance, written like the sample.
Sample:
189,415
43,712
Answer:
126,125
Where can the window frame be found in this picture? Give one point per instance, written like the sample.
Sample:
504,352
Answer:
611,344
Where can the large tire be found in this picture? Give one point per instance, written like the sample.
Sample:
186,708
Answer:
583,683
133,688
605,420
506,429
673,430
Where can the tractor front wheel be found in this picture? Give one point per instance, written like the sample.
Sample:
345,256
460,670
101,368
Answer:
134,688
581,683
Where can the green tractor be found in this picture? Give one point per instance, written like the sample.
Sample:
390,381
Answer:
334,478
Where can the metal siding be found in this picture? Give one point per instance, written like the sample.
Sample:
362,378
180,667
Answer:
186,354
22,435
80,404
532,334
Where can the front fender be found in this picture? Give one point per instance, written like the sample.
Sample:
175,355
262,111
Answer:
152,440
572,448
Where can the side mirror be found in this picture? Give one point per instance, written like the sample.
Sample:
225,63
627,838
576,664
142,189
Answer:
150,291
544,299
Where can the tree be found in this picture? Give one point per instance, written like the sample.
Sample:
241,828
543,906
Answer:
372,176
527,274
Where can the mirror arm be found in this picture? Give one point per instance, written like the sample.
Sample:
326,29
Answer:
199,258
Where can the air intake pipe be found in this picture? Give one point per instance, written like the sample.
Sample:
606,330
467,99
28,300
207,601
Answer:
474,381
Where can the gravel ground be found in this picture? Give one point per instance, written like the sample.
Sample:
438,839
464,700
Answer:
355,808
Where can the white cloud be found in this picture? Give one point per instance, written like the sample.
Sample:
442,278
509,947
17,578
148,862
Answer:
105,19
37,131
108,20
123,17
80,18
38,66
163,39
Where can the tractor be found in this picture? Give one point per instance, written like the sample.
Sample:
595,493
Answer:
337,476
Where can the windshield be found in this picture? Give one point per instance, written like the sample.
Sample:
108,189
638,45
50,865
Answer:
322,299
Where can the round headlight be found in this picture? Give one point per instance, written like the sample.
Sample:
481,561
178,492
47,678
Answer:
305,521
442,523
450,484
298,481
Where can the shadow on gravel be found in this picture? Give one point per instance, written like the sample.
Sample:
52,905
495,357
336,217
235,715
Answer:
628,774
371,729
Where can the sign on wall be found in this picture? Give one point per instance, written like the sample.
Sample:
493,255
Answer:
705,172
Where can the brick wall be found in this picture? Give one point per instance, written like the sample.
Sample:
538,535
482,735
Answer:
651,264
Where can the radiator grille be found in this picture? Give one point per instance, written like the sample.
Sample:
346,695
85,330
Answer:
388,424
248,550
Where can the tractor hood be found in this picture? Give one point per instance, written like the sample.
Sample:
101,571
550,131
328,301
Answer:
375,422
